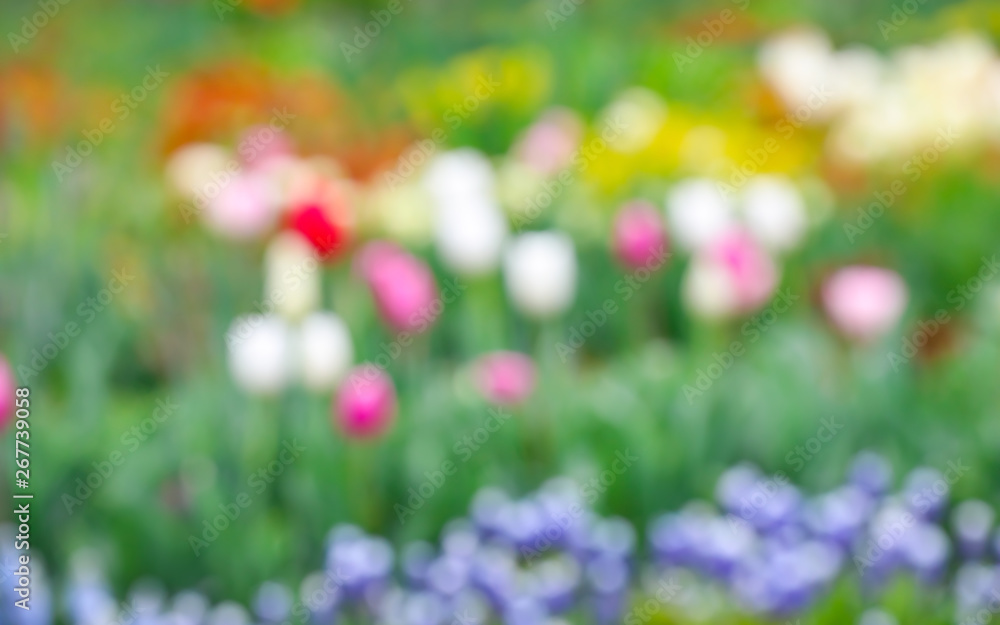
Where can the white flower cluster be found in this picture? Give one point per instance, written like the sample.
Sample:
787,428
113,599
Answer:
891,107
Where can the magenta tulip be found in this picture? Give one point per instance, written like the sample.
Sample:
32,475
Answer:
639,238
402,285
505,378
864,302
8,391
366,402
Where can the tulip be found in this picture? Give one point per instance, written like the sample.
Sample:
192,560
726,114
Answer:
261,144
260,353
540,273
730,277
198,169
547,146
774,212
864,302
316,224
505,378
460,175
244,208
635,117
638,236
291,276
470,235
325,350
402,285
698,213
8,393
366,402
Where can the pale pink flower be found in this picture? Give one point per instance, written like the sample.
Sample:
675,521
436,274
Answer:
733,275
365,404
864,302
244,207
639,238
505,377
402,285
547,146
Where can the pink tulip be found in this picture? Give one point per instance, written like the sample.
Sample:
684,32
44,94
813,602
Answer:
548,145
505,378
261,144
752,274
638,235
244,207
864,302
366,402
403,286
8,392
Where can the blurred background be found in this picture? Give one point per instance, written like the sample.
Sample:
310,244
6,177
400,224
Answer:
354,262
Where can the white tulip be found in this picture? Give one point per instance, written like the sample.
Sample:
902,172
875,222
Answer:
798,65
260,353
708,291
470,235
291,276
774,212
325,351
540,273
697,212
460,175
193,169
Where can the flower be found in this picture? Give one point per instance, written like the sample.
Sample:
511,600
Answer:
260,353
244,208
540,273
638,235
505,377
291,276
547,146
402,285
194,169
864,302
774,212
313,222
697,213
366,402
325,350
459,175
8,393
731,276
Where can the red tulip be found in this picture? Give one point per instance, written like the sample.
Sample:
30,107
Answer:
366,402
